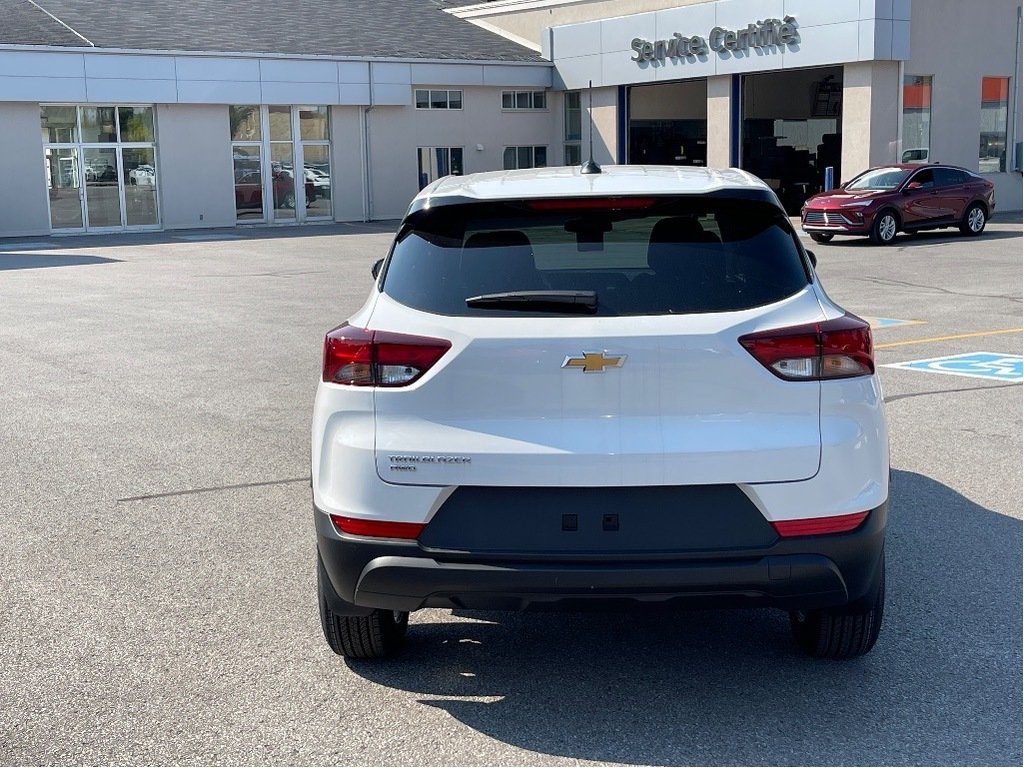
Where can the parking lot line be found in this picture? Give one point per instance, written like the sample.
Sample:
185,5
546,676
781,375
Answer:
947,338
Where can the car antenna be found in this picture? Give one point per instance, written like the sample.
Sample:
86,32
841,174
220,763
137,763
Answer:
590,166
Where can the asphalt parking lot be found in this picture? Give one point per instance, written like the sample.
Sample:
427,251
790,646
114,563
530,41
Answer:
157,601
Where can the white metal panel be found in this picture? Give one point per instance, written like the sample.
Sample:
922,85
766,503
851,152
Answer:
865,40
538,77
354,93
388,72
575,40
226,69
353,72
750,60
33,64
829,44
618,69
883,39
120,66
577,71
129,91
392,94
218,92
813,13
687,68
617,34
298,93
447,74
736,14
875,9
901,40
42,88
284,71
689,21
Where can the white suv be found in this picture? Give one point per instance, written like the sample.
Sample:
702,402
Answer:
614,388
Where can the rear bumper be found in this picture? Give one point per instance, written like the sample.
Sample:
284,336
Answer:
802,572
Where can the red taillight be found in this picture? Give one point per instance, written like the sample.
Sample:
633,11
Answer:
364,358
384,529
816,526
833,349
592,204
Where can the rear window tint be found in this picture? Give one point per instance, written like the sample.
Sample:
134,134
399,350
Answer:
672,256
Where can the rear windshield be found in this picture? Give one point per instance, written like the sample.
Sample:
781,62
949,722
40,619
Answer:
645,257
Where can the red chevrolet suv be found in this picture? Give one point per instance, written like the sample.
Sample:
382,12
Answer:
883,201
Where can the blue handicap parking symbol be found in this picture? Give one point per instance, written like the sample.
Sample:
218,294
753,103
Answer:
978,365
890,322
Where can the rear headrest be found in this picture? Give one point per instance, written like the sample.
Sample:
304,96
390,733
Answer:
509,266
675,247
681,229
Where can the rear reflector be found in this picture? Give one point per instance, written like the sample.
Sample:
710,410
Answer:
592,204
816,526
384,529
833,349
364,358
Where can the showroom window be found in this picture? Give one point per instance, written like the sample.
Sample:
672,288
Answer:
435,99
101,169
992,146
268,145
524,100
573,128
525,157
436,162
917,118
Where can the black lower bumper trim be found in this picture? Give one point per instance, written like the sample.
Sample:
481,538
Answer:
408,583
796,573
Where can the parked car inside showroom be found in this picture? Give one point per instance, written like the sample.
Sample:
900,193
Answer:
909,197
622,388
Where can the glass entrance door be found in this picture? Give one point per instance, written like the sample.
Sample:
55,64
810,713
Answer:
102,188
64,186
138,172
101,167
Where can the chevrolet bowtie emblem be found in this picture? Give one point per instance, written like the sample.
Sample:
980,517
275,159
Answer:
594,362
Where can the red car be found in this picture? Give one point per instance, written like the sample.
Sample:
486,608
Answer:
909,198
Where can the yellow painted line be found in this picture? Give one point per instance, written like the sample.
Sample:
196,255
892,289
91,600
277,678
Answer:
948,338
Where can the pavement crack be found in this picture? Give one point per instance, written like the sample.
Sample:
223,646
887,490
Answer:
938,289
214,489
894,398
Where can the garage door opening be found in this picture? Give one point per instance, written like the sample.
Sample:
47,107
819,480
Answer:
668,123
792,131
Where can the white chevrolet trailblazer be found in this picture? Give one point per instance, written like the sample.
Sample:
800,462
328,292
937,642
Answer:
612,388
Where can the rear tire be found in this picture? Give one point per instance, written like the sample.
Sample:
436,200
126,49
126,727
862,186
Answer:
820,237
884,228
840,633
375,636
973,222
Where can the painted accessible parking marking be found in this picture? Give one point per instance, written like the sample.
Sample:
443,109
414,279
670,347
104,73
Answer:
977,365
890,322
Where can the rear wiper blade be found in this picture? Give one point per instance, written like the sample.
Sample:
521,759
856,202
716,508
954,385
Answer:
558,301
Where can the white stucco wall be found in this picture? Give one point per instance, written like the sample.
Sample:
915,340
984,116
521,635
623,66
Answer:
991,39
396,132
23,206
347,172
870,116
194,166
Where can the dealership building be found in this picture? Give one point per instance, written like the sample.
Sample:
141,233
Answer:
127,115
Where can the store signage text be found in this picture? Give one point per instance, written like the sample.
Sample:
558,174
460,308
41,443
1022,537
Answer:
764,33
